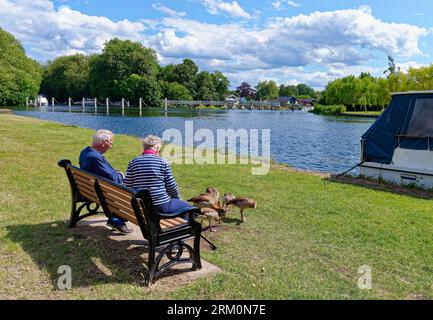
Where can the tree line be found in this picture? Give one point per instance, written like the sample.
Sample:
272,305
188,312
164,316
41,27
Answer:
369,93
269,90
127,69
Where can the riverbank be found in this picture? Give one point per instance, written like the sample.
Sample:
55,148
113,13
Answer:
306,239
364,114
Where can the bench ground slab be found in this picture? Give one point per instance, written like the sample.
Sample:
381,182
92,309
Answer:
174,278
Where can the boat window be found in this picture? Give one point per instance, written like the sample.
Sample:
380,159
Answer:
421,124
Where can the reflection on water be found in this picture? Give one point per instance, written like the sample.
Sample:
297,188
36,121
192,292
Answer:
298,138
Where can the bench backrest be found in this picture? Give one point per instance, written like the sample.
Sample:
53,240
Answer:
84,183
118,200
136,207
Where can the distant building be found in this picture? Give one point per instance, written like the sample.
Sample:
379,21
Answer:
288,100
307,102
232,98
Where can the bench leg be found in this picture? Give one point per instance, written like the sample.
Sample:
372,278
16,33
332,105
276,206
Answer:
151,267
196,256
75,213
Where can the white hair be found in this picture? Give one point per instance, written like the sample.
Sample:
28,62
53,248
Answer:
101,135
150,141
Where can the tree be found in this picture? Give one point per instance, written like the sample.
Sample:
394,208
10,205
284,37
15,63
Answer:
305,90
185,74
267,90
205,87
221,84
67,76
288,91
175,91
144,87
20,76
246,91
119,60
392,69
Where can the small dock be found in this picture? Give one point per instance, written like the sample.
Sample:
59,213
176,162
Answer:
5,111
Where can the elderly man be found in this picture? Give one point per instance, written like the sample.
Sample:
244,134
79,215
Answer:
150,171
93,160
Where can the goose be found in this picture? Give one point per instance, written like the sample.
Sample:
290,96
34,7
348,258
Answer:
243,203
211,215
214,192
227,198
206,200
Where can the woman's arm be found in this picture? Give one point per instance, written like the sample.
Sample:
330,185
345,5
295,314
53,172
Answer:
170,182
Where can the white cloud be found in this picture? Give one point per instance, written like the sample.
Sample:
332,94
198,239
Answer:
231,8
279,4
48,32
168,11
336,42
405,66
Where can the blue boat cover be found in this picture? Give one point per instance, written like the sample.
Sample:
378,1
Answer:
407,122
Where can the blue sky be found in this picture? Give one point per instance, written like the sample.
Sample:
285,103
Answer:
309,41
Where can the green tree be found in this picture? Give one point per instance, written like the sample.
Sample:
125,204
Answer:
267,90
20,76
67,76
175,91
110,70
288,91
144,87
221,84
205,87
185,74
305,90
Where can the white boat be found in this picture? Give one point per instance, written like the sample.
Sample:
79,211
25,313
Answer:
41,101
398,147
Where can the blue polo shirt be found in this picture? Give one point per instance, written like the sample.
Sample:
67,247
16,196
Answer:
94,162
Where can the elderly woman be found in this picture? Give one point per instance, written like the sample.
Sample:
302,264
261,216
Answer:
150,171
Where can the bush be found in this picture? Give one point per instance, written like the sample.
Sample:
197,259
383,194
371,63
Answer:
329,110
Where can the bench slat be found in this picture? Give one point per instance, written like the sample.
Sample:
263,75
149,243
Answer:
82,174
84,181
122,213
120,206
113,197
120,193
89,197
87,191
170,223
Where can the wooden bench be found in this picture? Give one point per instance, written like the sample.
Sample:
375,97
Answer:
165,233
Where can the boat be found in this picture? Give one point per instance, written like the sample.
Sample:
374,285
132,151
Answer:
41,101
398,147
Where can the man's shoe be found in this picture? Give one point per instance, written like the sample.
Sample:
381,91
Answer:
121,228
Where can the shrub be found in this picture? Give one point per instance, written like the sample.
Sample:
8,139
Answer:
329,110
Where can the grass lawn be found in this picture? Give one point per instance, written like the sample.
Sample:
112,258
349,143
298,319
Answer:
306,239
362,113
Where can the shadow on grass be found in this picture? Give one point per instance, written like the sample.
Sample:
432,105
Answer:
94,258
381,186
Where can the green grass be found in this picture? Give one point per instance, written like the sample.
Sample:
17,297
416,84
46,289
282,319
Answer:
362,113
305,240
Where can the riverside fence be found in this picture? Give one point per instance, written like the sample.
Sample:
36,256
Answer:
106,104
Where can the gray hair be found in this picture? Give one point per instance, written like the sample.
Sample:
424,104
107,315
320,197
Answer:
101,135
150,141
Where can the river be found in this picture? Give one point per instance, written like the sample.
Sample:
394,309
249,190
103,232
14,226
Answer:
298,138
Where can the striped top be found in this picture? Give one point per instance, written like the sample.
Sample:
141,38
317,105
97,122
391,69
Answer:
152,172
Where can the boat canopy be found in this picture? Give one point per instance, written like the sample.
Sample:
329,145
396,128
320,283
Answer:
407,123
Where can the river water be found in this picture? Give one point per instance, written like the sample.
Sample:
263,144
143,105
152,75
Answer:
298,138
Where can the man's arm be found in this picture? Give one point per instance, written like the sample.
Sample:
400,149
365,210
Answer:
102,168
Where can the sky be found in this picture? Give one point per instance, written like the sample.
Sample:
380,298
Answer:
290,42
